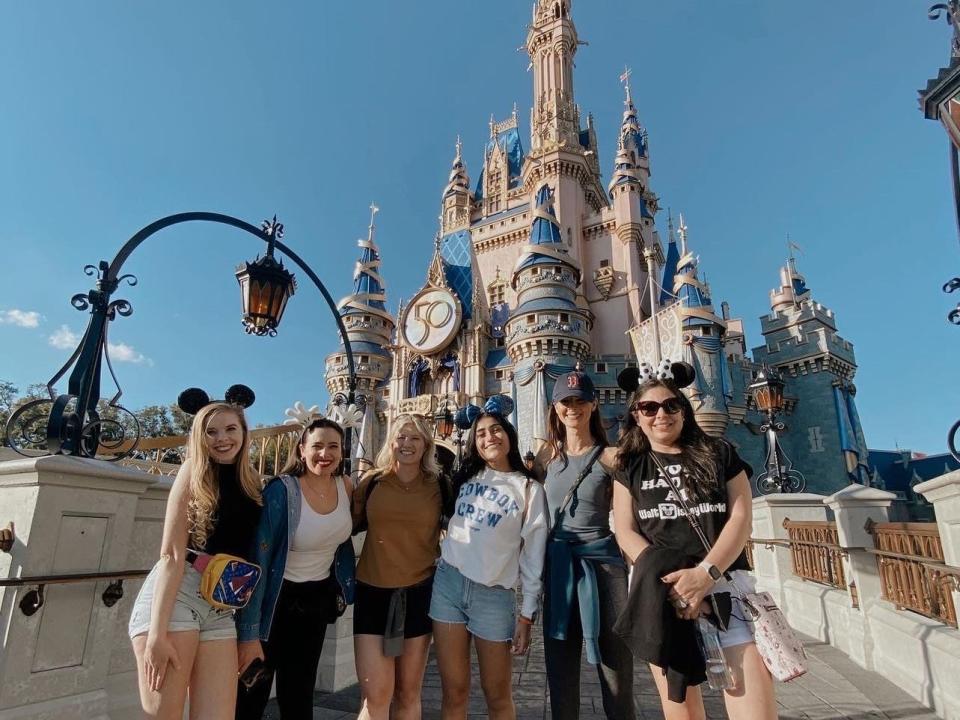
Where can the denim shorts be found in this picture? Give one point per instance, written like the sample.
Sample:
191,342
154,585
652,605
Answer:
490,613
190,610
740,629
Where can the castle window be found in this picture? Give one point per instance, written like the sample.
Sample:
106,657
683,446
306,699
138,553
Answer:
564,317
531,319
600,367
535,271
386,392
366,318
708,330
498,374
364,358
498,342
604,263
497,292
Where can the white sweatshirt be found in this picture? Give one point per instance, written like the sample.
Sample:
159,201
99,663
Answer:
484,537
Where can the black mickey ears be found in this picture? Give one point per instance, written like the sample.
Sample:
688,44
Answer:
680,374
192,400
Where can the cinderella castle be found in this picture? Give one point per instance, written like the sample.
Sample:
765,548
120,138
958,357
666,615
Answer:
540,266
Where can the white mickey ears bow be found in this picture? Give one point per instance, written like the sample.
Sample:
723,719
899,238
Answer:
680,373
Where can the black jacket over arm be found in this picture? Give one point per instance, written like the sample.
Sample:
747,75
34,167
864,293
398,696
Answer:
650,626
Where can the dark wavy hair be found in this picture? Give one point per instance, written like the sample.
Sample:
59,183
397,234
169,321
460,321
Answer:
295,465
699,453
472,463
557,433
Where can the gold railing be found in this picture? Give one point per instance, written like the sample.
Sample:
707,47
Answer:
269,449
913,575
816,552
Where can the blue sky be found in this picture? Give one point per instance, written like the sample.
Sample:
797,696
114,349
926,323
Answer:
766,117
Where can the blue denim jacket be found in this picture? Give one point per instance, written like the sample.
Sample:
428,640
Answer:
278,523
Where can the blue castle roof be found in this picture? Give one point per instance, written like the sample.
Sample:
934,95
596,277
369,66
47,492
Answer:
545,232
511,142
669,272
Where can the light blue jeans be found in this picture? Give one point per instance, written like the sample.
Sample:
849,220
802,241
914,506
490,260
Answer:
490,613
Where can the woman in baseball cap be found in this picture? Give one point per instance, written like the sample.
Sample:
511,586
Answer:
586,579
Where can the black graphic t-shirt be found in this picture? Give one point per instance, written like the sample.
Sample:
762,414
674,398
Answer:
660,513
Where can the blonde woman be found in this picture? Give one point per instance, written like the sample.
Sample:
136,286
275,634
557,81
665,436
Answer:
180,641
399,503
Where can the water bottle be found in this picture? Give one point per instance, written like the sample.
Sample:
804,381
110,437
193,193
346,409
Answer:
718,672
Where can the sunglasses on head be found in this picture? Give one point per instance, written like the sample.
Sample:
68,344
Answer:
649,408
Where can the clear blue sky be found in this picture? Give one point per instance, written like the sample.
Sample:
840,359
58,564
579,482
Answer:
766,117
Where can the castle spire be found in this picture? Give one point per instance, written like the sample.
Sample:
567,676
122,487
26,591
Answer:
671,263
369,292
551,44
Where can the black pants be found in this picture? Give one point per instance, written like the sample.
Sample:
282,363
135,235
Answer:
616,660
293,651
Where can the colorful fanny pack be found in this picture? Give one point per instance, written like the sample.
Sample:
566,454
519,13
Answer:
226,581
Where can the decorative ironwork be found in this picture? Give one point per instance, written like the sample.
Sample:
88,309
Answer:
951,14
913,575
73,425
815,552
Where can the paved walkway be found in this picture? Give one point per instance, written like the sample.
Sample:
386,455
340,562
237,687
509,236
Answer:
835,687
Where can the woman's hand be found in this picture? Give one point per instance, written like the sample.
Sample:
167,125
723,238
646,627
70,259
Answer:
158,654
247,652
688,589
521,638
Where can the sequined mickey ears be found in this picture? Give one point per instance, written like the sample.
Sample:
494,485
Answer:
192,400
680,374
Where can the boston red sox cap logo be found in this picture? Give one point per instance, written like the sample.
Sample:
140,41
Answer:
573,380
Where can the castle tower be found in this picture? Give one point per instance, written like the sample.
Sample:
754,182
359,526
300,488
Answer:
457,198
562,153
547,333
634,206
824,436
370,329
703,333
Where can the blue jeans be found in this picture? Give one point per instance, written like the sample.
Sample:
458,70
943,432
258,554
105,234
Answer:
490,613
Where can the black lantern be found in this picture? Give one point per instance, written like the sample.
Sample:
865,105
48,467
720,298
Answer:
265,288
443,421
767,391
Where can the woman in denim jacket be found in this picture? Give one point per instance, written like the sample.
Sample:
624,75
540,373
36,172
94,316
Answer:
303,546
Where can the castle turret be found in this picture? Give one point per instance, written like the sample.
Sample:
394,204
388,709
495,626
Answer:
703,332
801,341
634,206
457,198
547,333
370,328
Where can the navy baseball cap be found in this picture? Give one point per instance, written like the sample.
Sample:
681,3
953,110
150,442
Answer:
574,384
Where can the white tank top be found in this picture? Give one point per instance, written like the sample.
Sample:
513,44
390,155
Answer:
316,538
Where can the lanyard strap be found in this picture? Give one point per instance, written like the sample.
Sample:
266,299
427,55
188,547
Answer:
562,508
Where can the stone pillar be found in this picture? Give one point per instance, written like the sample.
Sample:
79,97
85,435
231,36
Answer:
773,566
72,515
944,493
853,507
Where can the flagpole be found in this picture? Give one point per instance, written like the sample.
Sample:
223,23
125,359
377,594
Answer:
650,257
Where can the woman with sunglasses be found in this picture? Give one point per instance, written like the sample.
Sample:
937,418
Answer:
673,471
495,537
308,565
585,579
400,505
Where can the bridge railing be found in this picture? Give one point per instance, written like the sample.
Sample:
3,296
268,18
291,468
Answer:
815,551
913,574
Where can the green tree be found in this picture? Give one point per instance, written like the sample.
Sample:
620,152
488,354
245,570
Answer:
8,396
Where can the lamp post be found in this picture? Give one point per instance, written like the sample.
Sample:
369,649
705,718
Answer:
940,101
779,475
73,425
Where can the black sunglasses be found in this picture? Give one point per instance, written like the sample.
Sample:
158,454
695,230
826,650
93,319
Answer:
649,408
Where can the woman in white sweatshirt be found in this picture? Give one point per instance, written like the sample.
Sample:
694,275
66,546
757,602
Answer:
497,533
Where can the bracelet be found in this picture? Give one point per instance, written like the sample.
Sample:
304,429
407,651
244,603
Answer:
525,620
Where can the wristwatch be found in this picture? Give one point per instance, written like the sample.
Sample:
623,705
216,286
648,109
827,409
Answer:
712,570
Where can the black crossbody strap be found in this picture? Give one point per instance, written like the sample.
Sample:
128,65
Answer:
562,508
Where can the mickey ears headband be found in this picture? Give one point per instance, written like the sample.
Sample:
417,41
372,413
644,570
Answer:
346,417
499,404
192,400
680,373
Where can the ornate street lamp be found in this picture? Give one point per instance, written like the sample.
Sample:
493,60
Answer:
72,425
265,287
443,421
779,475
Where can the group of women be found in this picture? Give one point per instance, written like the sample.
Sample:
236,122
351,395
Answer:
441,561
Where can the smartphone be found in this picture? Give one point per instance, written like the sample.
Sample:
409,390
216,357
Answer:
254,673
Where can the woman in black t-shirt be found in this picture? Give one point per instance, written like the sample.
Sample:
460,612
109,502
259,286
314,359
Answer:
714,485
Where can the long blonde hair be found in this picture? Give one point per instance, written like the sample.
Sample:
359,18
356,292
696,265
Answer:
387,461
204,491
